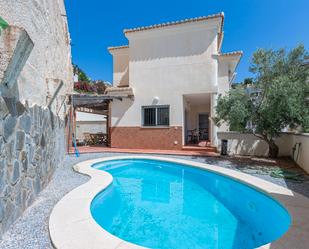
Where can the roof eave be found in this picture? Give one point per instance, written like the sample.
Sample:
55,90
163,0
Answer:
116,48
162,25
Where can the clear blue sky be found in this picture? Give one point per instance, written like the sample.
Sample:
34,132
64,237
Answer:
249,24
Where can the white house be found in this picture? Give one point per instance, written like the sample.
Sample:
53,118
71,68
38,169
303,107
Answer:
174,73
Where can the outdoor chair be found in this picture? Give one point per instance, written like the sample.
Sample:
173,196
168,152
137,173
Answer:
88,139
193,136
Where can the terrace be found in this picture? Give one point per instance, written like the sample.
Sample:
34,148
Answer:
186,159
31,229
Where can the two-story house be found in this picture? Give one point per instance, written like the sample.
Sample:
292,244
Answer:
175,72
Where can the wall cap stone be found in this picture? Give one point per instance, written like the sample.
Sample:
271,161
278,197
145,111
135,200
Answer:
248,133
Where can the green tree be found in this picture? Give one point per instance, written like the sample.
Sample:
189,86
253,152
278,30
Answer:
82,76
248,81
277,98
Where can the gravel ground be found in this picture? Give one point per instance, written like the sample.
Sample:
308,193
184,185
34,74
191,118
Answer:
31,230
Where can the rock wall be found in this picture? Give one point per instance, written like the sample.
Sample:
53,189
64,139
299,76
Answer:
35,57
32,145
45,22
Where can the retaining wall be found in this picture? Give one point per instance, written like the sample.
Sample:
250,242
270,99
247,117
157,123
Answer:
35,57
248,144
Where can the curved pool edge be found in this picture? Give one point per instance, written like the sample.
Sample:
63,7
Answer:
71,224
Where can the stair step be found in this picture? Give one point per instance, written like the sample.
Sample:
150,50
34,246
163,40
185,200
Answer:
196,148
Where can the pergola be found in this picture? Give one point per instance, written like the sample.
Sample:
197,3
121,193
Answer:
89,103
97,104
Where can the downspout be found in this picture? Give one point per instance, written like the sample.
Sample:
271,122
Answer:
295,147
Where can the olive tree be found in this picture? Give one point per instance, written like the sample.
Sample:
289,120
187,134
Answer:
276,99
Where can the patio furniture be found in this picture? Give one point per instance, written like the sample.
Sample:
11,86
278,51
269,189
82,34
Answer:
98,138
203,134
95,138
88,139
193,136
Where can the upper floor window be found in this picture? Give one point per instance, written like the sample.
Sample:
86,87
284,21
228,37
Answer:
156,115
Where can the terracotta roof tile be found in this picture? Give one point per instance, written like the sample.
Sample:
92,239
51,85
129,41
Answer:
118,47
231,53
118,89
196,19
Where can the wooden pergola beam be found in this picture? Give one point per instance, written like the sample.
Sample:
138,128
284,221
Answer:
82,100
95,104
92,111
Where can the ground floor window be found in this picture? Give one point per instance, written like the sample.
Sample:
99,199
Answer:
155,115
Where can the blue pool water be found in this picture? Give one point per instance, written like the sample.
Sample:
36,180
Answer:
165,205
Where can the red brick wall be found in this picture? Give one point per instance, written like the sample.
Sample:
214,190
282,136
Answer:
146,138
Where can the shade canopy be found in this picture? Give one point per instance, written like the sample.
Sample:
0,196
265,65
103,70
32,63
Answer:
97,104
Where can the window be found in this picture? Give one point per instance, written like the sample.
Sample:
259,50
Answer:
163,115
149,116
156,115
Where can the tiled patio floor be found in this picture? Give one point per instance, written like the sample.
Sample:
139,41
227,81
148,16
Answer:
186,151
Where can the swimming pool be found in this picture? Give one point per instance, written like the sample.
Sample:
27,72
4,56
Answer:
160,204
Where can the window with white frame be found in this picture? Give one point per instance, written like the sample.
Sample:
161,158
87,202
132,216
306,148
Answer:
156,115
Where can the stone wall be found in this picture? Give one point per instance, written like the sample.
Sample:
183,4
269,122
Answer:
35,59
45,22
31,145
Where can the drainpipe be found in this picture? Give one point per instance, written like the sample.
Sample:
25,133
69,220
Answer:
55,94
295,147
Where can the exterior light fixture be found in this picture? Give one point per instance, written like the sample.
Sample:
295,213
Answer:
155,100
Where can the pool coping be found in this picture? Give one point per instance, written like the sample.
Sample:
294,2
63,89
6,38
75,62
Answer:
71,224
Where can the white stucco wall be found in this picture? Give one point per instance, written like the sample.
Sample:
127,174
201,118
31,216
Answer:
223,74
120,66
50,59
223,84
84,116
89,123
89,127
303,153
248,144
168,63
